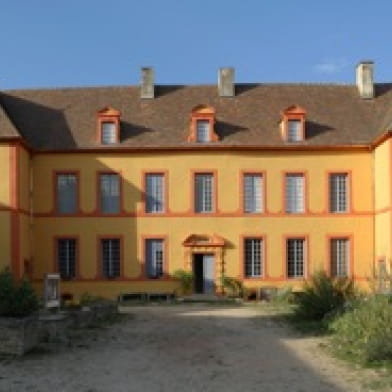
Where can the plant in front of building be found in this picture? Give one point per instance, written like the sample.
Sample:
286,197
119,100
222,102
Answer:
185,279
16,299
364,333
232,286
323,296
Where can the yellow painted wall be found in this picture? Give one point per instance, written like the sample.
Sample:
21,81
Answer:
228,166
5,240
24,179
4,175
382,185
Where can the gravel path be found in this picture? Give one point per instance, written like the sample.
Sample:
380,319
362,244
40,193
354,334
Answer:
183,348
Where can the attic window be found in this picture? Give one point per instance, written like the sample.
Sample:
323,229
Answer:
108,126
293,124
202,125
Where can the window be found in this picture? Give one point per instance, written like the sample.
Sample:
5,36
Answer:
293,124
108,126
253,248
202,131
155,201
154,258
110,256
294,130
110,193
339,251
204,193
253,193
295,202
338,194
202,122
295,254
109,133
66,257
67,196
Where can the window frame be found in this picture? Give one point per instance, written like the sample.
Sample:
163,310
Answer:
100,195
56,202
262,255
56,242
305,253
287,208
333,205
243,195
164,192
101,261
348,255
202,113
163,269
214,196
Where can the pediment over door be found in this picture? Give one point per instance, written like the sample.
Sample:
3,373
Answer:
204,240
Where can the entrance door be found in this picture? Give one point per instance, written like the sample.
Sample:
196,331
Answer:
203,272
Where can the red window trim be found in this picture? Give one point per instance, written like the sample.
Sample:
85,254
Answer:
293,112
202,112
108,115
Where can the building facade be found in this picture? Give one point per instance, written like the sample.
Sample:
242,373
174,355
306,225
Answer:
117,188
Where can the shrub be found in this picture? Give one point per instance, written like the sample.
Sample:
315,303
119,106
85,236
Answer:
233,286
365,332
323,296
186,280
16,300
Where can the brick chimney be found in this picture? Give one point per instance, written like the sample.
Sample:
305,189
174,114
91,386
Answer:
147,83
226,82
364,78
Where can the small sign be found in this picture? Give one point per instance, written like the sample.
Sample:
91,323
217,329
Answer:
52,291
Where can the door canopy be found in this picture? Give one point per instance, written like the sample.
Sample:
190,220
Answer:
204,240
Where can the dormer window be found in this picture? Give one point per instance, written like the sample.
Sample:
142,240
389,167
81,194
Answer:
293,124
202,125
108,133
108,126
203,131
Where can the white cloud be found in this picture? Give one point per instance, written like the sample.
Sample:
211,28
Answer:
331,66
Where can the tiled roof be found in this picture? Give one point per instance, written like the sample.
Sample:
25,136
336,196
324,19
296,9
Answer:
67,118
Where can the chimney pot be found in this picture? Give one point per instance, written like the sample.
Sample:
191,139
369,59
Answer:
364,78
226,82
147,83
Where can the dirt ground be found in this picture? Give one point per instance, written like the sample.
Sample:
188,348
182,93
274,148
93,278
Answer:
185,348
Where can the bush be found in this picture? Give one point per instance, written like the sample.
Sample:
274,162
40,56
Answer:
186,280
16,300
323,296
365,332
233,286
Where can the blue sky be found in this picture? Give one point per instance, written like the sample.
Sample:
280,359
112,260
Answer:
85,43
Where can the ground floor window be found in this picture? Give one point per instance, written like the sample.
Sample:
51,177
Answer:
154,258
110,256
339,257
66,257
295,254
253,256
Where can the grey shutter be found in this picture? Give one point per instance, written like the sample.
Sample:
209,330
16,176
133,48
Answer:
253,193
204,193
294,193
202,131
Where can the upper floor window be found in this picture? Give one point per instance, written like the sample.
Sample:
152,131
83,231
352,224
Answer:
110,257
109,193
295,193
253,253
154,258
202,125
108,133
66,257
67,193
339,251
253,193
295,257
204,192
108,126
155,192
293,124
338,192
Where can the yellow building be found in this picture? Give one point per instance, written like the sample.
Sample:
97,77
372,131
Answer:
118,187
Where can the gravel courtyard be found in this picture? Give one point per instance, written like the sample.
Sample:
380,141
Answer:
184,348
